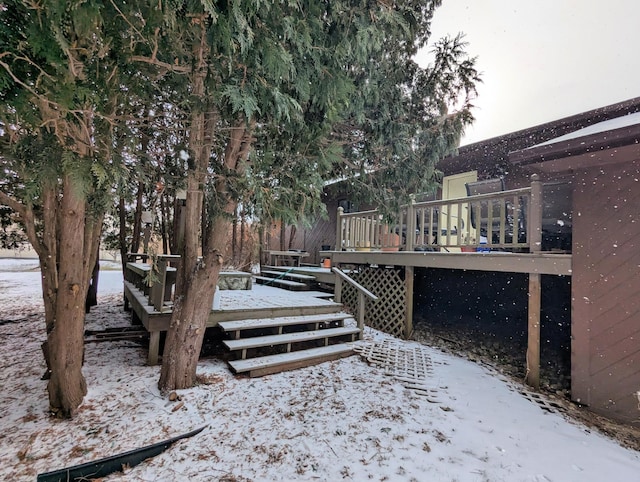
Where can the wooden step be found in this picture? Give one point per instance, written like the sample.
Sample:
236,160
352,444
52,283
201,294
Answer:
319,294
258,323
289,338
302,278
257,367
281,283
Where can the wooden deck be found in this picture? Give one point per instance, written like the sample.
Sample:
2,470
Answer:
540,262
259,302
534,264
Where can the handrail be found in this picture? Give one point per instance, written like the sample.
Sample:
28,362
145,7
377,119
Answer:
362,292
355,284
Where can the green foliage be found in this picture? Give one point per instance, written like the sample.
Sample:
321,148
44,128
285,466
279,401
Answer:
331,88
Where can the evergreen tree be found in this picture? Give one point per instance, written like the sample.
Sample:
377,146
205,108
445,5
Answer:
58,92
278,96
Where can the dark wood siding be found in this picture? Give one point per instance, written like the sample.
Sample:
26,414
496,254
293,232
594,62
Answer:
606,290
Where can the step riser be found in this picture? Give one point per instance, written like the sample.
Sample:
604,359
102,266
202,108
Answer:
229,315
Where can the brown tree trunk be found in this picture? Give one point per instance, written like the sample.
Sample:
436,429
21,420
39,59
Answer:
234,239
92,289
197,279
243,234
67,386
122,234
164,221
137,220
292,236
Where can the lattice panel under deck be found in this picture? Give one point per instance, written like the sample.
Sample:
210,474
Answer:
388,313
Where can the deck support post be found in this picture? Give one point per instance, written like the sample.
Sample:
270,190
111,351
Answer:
361,312
154,347
337,290
535,215
339,232
533,336
408,286
411,224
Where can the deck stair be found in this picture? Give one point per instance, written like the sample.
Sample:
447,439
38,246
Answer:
284,277
289,278
262,346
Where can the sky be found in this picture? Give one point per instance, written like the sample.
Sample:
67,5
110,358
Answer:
545,59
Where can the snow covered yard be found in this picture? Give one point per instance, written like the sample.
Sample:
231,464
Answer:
341,420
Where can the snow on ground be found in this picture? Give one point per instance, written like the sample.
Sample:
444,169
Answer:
341,420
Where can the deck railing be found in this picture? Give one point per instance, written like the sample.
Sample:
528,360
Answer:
505,220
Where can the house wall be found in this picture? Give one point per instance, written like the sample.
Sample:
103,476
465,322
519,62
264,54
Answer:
323,232
606,290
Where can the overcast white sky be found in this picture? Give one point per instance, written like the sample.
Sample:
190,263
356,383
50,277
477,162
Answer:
545,59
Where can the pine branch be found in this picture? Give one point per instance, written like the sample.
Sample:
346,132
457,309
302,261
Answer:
17,206
181,69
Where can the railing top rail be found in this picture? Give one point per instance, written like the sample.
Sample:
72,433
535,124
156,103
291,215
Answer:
359,213
355,284
440,202
476,197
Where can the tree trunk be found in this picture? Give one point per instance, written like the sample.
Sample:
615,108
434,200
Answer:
92,289
197,279
122,234
234,240
243,233
67,386
137,219
292,235
164,221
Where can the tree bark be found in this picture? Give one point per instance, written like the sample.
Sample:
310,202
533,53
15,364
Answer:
137,219
67,386
122,234
197,278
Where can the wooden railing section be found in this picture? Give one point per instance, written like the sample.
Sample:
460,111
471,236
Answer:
506,220
157,284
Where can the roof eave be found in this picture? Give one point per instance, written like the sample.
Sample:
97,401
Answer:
580,149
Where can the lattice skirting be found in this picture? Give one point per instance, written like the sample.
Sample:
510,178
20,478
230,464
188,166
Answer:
411,365
388,314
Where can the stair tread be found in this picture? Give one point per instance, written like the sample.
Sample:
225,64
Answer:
252,323
264,362
319,294
285,275
286,338
281,282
